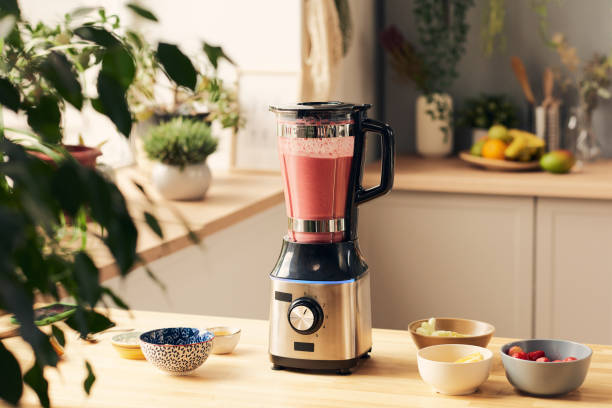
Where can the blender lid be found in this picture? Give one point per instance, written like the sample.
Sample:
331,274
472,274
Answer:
310,107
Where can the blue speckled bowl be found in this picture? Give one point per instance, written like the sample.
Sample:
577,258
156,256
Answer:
177,350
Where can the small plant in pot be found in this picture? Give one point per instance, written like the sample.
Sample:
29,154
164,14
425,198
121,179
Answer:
431,64
479,114
180,148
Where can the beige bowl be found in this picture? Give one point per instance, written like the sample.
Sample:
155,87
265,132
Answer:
437,368
477,333
226,339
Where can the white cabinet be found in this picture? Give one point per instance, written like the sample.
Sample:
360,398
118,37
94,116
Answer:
574,270
226,275
455,255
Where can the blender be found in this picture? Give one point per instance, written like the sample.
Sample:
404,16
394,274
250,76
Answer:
320,314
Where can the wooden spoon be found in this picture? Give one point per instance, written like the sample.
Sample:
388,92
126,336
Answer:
521,75
548,83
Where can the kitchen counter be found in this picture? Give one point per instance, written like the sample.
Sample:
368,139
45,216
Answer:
245,379
451,175
233,196
236,195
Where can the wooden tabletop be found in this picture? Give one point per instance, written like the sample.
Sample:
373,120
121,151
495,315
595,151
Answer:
451,175
244,379
233,196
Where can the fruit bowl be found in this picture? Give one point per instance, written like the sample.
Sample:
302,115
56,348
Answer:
476,333
547,378
498,164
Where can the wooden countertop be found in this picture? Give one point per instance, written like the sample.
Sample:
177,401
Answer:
451,175
237,195
233,196
244,378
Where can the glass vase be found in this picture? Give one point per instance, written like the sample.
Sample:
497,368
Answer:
582,140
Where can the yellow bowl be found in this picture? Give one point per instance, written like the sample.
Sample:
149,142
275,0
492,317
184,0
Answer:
127,345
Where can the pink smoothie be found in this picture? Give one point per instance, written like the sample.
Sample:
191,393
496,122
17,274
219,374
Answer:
316,174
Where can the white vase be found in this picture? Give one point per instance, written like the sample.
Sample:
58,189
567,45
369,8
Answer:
174,183
431,140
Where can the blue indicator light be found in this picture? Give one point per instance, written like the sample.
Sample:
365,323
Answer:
311,282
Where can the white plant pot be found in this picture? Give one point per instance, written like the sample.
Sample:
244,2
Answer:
190,183
430,139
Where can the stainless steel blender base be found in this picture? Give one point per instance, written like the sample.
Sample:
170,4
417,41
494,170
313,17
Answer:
342,311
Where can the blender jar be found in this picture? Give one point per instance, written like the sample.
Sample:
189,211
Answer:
316,154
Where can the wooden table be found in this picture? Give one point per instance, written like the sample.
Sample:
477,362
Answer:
244,378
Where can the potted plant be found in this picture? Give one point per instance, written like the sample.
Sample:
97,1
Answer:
432,65
180,148
479,114
37,257
212,99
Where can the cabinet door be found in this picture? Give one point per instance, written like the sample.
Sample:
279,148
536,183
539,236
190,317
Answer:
450,255
574,270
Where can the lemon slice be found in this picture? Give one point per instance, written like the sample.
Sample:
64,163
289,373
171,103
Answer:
470,358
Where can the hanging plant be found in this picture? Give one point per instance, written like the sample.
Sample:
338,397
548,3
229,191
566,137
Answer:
432,64
492,33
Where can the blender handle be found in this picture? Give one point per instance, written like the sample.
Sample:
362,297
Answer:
388,158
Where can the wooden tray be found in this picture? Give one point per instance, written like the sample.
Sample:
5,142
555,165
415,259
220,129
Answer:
500,165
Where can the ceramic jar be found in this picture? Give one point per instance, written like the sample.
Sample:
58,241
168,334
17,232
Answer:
431,140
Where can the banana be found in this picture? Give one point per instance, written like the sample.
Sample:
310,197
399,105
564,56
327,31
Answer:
525,146
518,145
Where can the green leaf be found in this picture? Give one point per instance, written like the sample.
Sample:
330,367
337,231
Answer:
9,7
142,12
98,35
11,386
87,278
116,299
90,379
36,380
87,321
177,65
62,75
119,64
113,101
59,335
82,11
45,118
9,95
15,299
153,224
214,53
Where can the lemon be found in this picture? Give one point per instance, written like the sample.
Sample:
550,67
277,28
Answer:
471,358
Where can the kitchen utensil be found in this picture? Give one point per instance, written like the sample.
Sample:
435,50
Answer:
438,369
176,350
553,126
540,122
521,75
128,345
547,379
477,333
226,339
548,81
320,314
499,165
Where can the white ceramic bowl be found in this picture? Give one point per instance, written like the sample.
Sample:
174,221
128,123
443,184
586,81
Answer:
226,339
437,368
